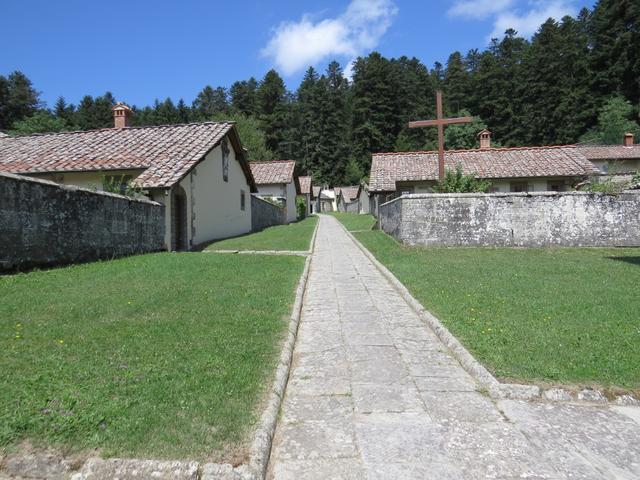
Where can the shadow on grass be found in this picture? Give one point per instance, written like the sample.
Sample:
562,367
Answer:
631,260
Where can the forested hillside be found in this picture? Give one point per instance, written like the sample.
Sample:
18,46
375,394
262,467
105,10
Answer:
577,79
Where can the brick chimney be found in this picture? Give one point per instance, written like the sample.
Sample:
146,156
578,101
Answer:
122,115
485,139
628,139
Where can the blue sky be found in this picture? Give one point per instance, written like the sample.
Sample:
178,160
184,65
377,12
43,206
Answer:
141,50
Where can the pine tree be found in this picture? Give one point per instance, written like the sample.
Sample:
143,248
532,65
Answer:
244,97
18,99
209,102
615,48
273,110
456,84
615,118
64,111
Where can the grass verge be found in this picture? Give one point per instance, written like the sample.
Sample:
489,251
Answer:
162,355
294,236
354,222
556,315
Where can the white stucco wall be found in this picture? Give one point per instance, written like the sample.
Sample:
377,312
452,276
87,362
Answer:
499,185
90,180
213,205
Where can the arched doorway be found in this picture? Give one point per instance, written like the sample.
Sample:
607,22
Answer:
179,220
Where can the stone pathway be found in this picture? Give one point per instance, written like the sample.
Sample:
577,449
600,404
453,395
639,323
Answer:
373,394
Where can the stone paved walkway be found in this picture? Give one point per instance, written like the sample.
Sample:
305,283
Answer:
373,394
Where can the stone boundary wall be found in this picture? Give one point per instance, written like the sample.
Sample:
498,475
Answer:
265,214
44,224
566,219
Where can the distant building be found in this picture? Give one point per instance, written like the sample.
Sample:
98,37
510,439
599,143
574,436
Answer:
520,169
617,162
347,198
277,180
306,191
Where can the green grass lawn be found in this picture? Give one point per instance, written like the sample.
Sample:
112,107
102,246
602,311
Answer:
568,316
162,355
294,236
354,222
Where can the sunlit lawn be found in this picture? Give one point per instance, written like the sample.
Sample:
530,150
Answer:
294,236
355,222
162,355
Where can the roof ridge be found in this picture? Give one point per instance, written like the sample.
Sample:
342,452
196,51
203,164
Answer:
493,149
136,127
272,161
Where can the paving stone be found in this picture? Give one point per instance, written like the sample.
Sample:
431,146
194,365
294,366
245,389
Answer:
314,440
459,383
399,438
325,469
129,469
460,406
434,470
299,408
377,398
37,465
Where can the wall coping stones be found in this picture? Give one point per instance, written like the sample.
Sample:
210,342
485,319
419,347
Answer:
74,188
506,195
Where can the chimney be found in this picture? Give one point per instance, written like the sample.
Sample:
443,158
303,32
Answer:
485,139
628,140
122,115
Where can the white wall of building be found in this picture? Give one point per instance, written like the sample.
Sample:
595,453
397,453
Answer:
213,205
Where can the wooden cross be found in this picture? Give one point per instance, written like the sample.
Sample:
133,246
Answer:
440,122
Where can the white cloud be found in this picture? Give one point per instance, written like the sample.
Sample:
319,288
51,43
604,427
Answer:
479,9
524,17
528,22
296,45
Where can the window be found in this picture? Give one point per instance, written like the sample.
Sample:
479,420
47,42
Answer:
225,159
516,187
557,186
242,200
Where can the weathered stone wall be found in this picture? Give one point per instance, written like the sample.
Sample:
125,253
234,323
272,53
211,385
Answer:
43,223
265,214
569,219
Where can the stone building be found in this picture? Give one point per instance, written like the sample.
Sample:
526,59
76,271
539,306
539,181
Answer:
347,198
199,171
306,191
277,180
520,169
617,162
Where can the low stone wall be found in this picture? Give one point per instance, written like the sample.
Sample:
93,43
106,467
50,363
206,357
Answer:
43,224
265,214
571,219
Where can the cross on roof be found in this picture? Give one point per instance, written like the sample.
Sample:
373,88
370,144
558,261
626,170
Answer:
440,122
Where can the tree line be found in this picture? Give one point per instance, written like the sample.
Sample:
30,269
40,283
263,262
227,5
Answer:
577,79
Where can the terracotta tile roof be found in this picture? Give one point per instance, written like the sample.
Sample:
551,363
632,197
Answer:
610,152
275,171
349,193
520,162
305,185
166,153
